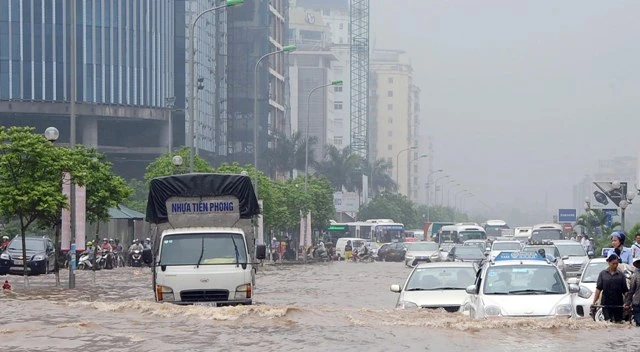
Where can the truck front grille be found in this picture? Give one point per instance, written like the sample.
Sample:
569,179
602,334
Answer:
204,296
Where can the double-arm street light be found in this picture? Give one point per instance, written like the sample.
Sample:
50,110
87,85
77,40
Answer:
435,188
623,203
428,188
306,133
398,165
192,80
285,49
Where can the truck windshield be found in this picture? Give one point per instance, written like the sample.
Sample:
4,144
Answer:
203,249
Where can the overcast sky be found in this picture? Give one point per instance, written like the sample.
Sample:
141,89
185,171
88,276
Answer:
521,97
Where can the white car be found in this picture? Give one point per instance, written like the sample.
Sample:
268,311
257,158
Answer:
573,255
504,246
520,284
587,283
437,285
424,252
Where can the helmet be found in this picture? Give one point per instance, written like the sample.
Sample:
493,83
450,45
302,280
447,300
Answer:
620,235
89,243
147,239
111,240
105,240
136,240
5,237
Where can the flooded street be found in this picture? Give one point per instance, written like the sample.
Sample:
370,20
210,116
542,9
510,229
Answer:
319,307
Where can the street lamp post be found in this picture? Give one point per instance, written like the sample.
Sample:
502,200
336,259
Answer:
449,193
435,188
52,134
624,203
428,186
192,83
398,165
285,49
177,162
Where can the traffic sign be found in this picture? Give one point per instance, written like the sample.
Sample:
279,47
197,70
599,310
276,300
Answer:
567,215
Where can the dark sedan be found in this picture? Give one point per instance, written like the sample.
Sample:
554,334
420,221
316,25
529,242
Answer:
466,254
40,256
392,252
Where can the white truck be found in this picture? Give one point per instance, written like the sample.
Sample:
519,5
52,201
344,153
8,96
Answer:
204,243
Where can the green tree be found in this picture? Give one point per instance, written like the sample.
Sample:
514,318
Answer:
322,208
379,173
341,168
394,206
30,178
137,200
163,165
289,152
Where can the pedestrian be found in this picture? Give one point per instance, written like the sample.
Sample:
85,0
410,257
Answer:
633,296
612,286
635,248
617,242
348,250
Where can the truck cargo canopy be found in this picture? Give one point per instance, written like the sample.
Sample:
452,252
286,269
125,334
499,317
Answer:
200,185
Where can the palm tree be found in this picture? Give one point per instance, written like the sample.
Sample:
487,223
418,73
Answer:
341,168
379,172
289,152
597,219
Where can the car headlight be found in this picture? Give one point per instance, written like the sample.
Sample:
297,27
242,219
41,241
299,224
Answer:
584,292
243,291
38,257
492,310
165,293
563,309
406,305
5,256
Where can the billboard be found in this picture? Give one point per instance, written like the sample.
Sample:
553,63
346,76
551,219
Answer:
604,195
567,215
347,202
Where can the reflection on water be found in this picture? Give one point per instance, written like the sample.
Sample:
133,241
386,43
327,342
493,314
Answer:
320,307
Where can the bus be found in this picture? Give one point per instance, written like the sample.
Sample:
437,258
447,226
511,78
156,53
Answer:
386,230
348,229
460,233
494,228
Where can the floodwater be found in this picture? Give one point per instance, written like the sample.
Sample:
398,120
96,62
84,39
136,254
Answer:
315,307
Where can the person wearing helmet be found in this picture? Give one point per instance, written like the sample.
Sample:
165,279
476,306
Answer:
135,246
5,243
617,242
274,248
106,247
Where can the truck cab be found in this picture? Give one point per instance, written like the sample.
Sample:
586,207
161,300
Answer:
204,239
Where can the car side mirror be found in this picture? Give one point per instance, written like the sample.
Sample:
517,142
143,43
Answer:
395,288
261,252
573,288
573,280
471,290
441,249
565,257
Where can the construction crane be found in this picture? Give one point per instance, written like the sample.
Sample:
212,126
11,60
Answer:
359,76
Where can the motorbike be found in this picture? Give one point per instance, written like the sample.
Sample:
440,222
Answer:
84,262
364,258
147,258
136,258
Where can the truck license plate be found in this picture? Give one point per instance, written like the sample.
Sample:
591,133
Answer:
205,304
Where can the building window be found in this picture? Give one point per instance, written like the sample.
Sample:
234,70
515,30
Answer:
390,120
337,105
390,93
390,80
337,88
337,140
390,134
390,147
389,107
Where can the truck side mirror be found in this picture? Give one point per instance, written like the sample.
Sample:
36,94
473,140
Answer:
261,252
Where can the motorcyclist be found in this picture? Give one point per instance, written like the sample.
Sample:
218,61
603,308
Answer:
5,243
363,251
106,247
146,244
617,242
348,250
135,246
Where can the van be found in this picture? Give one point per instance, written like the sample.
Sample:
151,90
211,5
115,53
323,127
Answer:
460,233
355,243
551,232
522,234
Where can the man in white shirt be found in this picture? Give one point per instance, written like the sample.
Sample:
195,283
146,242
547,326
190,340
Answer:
635,248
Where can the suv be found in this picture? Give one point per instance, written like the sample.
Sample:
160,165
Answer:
549,248
41,256
573,255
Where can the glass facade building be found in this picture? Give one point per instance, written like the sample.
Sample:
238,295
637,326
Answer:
124,51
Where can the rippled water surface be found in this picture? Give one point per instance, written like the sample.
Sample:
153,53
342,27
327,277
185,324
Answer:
315,307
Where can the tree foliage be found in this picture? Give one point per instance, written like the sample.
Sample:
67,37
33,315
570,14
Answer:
342,168
137,200
290,152
388,205
163,165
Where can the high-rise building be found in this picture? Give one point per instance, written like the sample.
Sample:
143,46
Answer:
124,74
394,116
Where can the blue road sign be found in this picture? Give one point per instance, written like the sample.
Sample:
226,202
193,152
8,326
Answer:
567,215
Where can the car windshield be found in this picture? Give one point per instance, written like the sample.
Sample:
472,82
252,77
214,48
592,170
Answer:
203,249
481,245
495,230
33,244
523,279
553,250
506,246
422,246
571,250
592,271
550,234
468,251
441,278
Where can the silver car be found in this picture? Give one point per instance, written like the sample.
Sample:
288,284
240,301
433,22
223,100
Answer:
573,255
421,252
